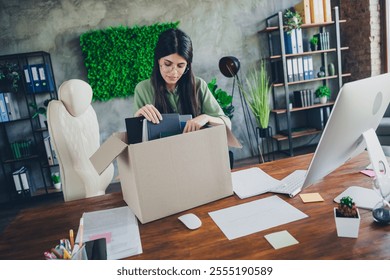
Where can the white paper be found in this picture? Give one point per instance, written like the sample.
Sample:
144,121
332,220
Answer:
255,216
120,228
253,181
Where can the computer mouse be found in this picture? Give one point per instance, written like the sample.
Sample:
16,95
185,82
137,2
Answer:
191,221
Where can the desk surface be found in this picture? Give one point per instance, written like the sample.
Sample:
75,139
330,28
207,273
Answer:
38,229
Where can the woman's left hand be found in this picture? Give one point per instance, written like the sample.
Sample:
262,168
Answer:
196,123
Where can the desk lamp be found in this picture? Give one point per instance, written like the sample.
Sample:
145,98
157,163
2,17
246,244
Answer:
229,67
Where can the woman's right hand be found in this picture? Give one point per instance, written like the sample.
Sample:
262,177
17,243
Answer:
150,113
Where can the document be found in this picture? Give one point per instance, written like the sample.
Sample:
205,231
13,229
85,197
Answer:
252,181
244,219
120,228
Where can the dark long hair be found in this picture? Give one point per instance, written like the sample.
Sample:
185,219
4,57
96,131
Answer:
170,42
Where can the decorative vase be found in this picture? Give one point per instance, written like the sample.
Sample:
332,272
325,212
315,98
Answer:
313,47
331,70
347,226
323,99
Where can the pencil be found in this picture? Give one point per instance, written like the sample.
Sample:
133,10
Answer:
81,230
71,239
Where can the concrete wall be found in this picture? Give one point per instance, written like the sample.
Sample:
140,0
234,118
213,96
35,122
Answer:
218,28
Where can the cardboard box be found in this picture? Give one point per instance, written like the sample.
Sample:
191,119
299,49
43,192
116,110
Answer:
169,175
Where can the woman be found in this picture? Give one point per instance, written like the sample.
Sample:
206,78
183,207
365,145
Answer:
173,88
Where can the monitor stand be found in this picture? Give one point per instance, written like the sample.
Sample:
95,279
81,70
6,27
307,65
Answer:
378,197
381,185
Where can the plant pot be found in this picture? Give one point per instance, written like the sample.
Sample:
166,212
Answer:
323,99
264,132
313,47
57,186
347,227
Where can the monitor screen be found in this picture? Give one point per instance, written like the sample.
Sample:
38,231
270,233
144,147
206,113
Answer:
359,106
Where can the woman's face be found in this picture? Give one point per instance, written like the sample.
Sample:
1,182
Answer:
172,67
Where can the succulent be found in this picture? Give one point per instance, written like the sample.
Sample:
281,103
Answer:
347,207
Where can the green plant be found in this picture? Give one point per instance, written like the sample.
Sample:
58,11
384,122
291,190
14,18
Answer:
292,20
55,177
314,40
39,110
323,91
10,72
224,100
117,58
256,94
347,207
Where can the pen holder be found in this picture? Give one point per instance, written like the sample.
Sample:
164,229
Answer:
79,254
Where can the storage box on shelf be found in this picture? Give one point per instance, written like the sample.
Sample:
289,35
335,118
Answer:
297,72
26,82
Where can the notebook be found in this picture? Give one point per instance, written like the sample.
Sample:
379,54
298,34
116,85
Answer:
134,129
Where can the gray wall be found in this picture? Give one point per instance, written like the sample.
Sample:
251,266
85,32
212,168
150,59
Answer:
218,28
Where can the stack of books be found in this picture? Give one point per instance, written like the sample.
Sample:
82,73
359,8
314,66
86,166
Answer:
303,98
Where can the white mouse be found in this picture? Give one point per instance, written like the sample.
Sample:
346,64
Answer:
191,221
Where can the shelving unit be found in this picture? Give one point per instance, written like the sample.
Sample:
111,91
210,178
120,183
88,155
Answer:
36,84
284,115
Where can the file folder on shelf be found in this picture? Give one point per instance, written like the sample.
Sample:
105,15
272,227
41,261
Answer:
45,78
28,79
11,106
35,79
3,109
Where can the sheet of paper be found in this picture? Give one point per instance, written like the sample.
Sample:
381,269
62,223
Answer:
368,172
255,216
252,181
281,239
311,197
120,228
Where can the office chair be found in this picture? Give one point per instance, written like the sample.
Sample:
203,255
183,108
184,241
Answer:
74,133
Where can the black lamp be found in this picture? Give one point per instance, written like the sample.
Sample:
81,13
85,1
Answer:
229,67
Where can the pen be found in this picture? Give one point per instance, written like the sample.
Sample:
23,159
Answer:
54,251
71,238
81,230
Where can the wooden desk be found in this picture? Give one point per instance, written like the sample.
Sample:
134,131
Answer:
36,230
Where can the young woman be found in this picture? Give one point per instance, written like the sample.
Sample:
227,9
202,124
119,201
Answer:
173,88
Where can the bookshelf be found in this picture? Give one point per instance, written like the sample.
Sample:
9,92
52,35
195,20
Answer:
293,122
26,84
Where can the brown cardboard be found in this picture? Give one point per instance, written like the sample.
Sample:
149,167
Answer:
169,175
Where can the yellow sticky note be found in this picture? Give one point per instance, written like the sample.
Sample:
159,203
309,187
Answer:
281,239
311,197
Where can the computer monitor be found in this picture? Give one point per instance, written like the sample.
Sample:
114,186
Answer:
359,106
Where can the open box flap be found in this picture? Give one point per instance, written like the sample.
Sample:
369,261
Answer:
231,139
107,152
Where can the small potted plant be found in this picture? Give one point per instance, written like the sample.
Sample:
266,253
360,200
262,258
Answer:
347,218
40,112
323,93
9,76
291,20
56,179
313,43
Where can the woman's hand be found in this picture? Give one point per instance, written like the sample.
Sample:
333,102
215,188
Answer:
150,113
196,123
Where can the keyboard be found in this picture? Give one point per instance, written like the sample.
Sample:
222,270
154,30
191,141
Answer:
292,184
